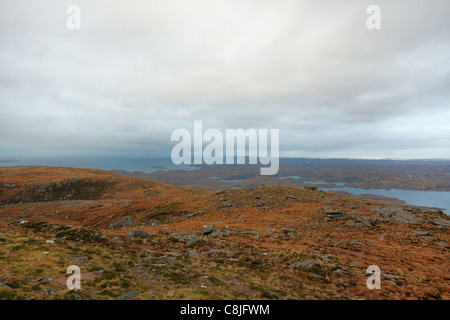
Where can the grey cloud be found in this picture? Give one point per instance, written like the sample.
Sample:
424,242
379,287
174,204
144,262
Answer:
139,69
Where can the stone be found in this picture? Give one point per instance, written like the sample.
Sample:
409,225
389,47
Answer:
171,294
307,264
352,224
290,197
207,230
423,233
4,286
153,223
287,231
339,272
332,216
49,292
405,217
217,234
79,259
326,259
125,222
441,222
117,239
194,239
366,221
226,251
353,263
357,243
130,295
136,233
193,254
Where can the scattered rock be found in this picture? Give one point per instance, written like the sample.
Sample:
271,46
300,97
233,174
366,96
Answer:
226,251
307,264
353,263
136,233
130,295
219,233
207,230
423,233
232,259
194,239
231,205
171,294
153,223
366,221
351,223
125,222
290,197
441,222
75,295
46,280
193,254
357,243
331,216
49,292
339,272
79,259
405,217
4,286
117,239
287,231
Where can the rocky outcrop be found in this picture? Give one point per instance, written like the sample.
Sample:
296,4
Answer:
125,222
207,230
136,233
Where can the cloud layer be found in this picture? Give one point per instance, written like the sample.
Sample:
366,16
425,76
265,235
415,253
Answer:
137,70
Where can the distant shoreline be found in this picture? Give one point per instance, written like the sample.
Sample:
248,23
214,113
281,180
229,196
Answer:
8,161
158,167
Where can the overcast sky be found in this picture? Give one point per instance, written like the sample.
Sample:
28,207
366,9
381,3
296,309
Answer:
137,70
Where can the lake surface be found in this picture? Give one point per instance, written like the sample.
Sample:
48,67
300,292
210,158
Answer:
437,199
